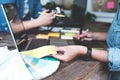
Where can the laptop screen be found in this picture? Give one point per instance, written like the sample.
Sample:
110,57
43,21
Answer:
14,23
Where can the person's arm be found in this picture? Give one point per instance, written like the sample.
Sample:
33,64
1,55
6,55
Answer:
100,55
70,52
112,57
99,35
17,27
88,36
42,20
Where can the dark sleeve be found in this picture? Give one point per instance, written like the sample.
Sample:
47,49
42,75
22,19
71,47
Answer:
37,9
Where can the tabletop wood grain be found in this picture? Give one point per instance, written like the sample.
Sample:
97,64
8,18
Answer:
78,69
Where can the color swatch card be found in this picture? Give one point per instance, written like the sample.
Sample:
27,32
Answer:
41,68
40,52
15,66
12,66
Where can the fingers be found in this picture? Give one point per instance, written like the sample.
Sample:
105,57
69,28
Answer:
76,36
58,56
52,15
62,57
62,49
84,34
45,11
86,39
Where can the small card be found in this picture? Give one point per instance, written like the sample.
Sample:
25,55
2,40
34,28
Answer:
42,36
54,34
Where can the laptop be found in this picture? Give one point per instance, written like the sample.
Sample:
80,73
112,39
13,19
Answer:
21,40
36,66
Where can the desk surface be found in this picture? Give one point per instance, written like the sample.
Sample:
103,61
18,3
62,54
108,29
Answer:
77,69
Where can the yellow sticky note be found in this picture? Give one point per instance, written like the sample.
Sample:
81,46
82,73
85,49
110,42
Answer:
40,52
42,36
54,34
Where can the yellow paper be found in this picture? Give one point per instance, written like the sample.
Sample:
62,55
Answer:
54,34
69,34
42,36
40,52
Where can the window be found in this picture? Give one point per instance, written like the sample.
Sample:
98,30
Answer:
104,9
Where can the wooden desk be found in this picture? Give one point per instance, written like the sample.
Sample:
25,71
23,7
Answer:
77,69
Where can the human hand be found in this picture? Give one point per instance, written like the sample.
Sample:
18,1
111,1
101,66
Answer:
67,53
46,18
85,36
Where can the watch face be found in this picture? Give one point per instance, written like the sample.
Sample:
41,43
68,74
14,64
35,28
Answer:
105,5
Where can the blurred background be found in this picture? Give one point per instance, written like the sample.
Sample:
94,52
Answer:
98,13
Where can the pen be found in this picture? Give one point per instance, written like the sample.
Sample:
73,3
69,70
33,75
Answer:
80,32
59,15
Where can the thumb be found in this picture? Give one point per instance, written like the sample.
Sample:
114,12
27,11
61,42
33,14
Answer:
58,56
58,48
45,11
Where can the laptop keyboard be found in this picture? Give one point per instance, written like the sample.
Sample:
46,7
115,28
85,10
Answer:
35,43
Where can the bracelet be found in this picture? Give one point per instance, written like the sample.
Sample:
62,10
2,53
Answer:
23,26
89,54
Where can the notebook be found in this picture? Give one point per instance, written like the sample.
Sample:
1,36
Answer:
21,40
38,67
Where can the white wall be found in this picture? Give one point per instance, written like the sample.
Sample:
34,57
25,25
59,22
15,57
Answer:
101,16
45,1
66,3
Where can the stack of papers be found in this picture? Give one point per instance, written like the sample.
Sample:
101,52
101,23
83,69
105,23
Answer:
68,34
47,36
15,66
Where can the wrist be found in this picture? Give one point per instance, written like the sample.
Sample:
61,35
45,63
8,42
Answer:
88,55
37,22
83,50
24,29
93,35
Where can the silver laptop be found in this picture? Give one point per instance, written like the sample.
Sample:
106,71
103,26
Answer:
21,41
